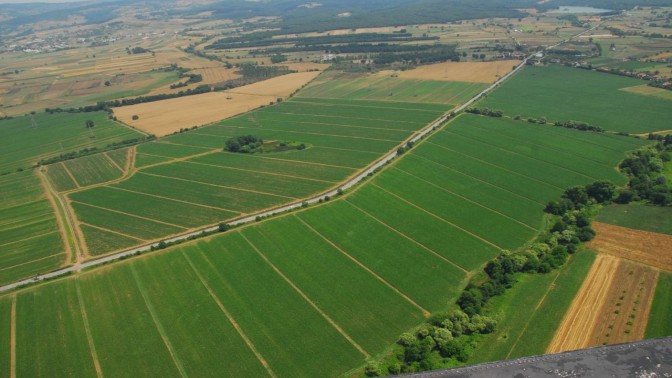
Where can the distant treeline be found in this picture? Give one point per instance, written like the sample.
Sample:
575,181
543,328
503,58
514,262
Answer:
93,150
266,39
352,48
362,14
251,73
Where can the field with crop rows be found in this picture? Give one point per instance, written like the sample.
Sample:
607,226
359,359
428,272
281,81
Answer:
315,292
30,241
560,93
186,180
85,171
659,319
26,142
386,86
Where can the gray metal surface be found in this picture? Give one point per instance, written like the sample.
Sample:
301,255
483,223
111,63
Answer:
642,359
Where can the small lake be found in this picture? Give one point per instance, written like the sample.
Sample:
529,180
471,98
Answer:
581,10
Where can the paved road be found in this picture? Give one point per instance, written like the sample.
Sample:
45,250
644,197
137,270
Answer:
252,218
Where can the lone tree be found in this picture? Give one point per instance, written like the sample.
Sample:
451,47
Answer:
90,124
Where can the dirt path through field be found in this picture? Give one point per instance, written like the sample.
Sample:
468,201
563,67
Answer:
177,200
228,315
536,308
131,215
114,163
307,299
465,199
72,177
366,213
438,217
648,248
223,186
452,169
87,330
73,251
157,323
494,165
365,267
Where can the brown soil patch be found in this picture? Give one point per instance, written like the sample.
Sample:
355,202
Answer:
281,86
216,75
475,72
165,117
611,307
649,248
664,55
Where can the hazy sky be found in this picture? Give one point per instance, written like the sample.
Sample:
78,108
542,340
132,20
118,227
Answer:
37,1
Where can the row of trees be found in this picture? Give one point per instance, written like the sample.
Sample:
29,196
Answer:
89,151
645,169
486,112
266,39
454,335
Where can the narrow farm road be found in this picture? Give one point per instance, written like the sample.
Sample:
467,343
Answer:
377,165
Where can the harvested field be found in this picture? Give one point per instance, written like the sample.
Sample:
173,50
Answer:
216,74
611,307
281,86
664,55
165,117
645,247
305,66
474,72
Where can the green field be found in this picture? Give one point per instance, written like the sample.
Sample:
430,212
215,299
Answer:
529,314
661,310
25,143
640,217
388,88
30,241
5,335
207,185
559,93
318,292
82,172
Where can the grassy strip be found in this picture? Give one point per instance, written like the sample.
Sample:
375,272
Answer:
638,216
5,335
661,311
523,332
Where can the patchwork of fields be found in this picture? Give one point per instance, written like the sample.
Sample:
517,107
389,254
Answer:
26,141
186,181
30,240
319,291
559,93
